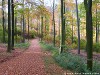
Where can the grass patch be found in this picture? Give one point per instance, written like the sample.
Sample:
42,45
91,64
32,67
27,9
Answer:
69,61
49,61
49,47
51,66
22,45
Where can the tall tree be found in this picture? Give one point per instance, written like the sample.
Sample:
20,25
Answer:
97,26
9,27
23,40
3,21
72,28
89,33
12,4
78,25
54,21
41,28
28,22
16,27
59,30
63,25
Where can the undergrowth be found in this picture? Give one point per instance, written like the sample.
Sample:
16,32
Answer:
69,61
22,45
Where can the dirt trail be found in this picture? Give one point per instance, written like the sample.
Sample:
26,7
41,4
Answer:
28,63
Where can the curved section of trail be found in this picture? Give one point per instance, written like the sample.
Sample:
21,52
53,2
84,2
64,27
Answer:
28,63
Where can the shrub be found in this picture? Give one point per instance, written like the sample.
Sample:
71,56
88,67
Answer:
96,47
72,62
76,63
50,47
1,35
75,40
96,67
48,38
74,46
83,44
22,45
18,32
32,34
18,39
68,41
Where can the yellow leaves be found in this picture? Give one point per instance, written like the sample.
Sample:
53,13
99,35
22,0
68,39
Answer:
43,10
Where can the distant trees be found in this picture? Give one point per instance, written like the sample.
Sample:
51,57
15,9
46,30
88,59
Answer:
18,26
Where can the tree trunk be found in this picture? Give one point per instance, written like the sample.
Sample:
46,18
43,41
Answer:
98,32
9,27
78,25
12,3
72,29
3,21
41,28
45,28
96,26
89,33
28,23
37,27
59,31
63,25
54,21
23,40
16,28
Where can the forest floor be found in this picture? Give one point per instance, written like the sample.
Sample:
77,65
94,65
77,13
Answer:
32,61
96,56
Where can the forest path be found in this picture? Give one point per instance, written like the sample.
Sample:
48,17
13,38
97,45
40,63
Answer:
28,63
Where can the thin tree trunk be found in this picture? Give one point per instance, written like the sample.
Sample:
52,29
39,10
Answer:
23,30
59,32
28,24
21,21
9,27
41,28
3,20
37,27
54,21
78,25
96,26
45,27
16,28
72,29
98,32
